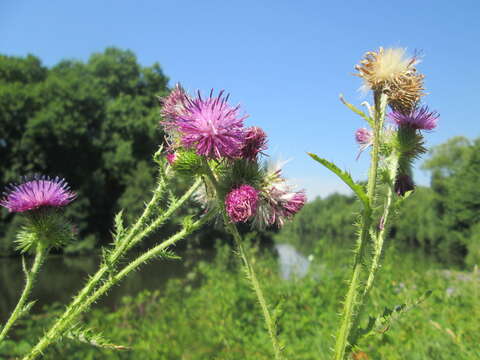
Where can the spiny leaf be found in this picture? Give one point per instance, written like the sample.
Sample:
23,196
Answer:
26,309
357,111
345,176
88,336
382,323
119,227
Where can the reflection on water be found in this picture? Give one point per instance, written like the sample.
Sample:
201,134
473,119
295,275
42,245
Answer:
62,276
291,262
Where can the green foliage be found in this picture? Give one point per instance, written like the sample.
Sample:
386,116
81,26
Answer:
346,178
326,221
94,123
212,314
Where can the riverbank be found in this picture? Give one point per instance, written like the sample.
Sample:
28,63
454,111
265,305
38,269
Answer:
211,313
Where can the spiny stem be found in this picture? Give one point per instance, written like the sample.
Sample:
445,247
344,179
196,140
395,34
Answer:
354,292
62,325
232,229
30,277
123,246
271,325
380,234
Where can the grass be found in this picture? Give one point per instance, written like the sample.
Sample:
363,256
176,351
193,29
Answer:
212,314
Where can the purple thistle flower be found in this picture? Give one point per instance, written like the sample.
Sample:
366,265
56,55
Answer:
212,126
363,136
41,191
255,143
174,104
295,203
281,205
419,118
278,201
241,203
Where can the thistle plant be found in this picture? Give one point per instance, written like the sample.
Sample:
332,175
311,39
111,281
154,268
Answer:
206,143
396,140
207,138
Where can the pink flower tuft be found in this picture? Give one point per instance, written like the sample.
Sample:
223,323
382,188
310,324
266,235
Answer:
39,192
171,157
363,136
419,118
212,127
255,143
241,203
174,104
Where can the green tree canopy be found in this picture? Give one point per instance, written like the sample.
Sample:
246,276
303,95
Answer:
94,123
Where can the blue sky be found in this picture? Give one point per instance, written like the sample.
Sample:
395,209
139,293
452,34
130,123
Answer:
285,62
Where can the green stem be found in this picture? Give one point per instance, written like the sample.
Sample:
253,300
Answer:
347,316
354,292
380,234
232,229
124,245
60,326
271,325
30,277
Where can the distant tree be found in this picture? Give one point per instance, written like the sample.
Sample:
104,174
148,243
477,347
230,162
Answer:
94,123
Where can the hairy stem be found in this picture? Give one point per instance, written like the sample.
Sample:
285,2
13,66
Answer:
124,245
270,323
30,277
354,292
252,277
380,233
62,325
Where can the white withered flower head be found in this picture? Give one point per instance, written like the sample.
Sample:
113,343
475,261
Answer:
393,72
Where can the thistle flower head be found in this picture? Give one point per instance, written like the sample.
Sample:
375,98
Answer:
363,136
279,202
241,203
418,118
174,104
212,127
39,192
255,143
392,72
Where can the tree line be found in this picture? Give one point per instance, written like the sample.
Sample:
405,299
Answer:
96,123
442,220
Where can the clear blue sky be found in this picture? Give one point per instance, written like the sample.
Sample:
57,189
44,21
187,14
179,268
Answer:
285,62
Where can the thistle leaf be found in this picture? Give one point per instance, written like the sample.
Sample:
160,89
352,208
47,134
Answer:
88,336
357,111
119,227
345,176
382,323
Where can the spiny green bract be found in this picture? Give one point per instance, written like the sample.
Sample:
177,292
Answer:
45,227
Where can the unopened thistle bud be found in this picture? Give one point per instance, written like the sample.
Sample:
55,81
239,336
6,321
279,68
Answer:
403,184
39,199
390,71
255,143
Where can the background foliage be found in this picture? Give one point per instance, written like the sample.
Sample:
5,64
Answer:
94,123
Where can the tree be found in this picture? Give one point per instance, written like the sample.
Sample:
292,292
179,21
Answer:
94,123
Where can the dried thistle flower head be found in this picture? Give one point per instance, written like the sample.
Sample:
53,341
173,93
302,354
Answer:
391,71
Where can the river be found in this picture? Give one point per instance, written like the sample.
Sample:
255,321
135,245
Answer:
62,276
